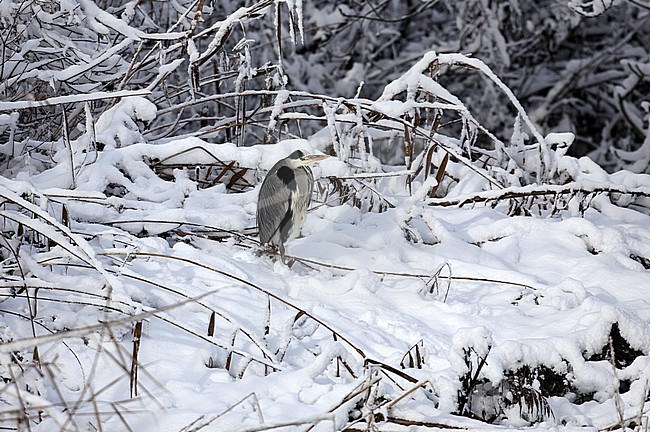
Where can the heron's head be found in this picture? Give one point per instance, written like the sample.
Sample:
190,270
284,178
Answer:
299,158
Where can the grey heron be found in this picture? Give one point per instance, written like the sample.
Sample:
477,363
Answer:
284,199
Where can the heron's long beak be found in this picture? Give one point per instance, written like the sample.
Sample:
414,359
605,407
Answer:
312,159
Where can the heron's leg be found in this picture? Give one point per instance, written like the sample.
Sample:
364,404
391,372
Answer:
289,262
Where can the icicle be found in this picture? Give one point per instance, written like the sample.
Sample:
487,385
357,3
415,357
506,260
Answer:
298,8
192,68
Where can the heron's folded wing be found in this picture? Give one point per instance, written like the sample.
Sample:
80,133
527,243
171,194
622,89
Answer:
272,206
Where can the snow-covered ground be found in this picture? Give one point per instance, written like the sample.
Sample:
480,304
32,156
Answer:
401,319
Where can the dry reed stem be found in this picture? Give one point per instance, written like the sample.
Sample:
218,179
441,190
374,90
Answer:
133,375
363,387
439,175
181,223
193,427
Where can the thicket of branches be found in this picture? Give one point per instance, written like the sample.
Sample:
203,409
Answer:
582,66
578,66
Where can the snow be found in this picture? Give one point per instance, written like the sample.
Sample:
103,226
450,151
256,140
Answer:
580,277
162,233
6,7
100,21
278,107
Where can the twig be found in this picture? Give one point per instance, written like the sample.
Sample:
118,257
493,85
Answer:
59,100
536,190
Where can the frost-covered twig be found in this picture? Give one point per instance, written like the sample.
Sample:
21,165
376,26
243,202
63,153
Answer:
77,98
535,190
422,276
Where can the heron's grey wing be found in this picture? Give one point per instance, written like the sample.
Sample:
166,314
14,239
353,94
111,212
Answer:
273,206
300,203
